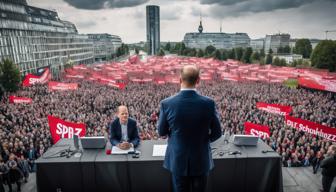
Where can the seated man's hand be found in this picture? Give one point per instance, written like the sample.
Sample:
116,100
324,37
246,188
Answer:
124,145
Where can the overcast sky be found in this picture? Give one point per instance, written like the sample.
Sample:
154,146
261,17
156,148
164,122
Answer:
126,18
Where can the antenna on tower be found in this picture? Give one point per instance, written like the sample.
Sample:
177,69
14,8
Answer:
220,30
200,27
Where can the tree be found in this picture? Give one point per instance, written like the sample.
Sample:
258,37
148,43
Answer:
238,53
246,58
167,47
209,50
161,53
137,51
218,55
303,47
10,76
232,54
276,61
286,49
262,53
255,57
270,51
200,53
192,52
324,55
283,62
268,59
224,55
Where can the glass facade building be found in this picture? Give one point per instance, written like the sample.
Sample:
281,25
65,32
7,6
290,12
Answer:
105,45
218,40
276,41
33,37
153,29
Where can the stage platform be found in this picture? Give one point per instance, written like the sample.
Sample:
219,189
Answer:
299,179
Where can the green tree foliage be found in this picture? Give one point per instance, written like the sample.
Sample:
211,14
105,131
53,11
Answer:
167,46
268,59
224,55
238,53
287,49
270,51
161,53
283,62
246,58
209,50
324,55
192,52
262,53
303,47
232,54
276,61
122,50
255,57
9,76
218,55
200,53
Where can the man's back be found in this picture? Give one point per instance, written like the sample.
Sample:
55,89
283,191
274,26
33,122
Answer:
191,123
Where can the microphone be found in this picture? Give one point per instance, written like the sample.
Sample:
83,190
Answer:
268,151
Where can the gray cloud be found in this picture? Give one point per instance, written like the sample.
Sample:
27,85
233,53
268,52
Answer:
171,13
232,8
221,2
85,24
101,4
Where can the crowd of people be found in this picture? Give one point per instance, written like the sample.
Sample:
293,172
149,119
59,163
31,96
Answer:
25,136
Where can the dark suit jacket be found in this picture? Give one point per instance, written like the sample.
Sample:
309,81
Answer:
329,166
132,132
191,122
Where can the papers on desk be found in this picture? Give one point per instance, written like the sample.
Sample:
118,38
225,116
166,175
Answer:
117,151
159,150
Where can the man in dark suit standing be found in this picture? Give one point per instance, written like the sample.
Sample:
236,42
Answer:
123,130
191,122
329,168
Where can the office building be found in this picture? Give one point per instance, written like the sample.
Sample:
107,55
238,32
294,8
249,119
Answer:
105,45
276,41
33,38
153,29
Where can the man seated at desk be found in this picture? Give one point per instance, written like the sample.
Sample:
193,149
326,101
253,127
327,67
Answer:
123,130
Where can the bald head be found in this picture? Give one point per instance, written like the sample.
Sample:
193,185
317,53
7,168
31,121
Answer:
190,75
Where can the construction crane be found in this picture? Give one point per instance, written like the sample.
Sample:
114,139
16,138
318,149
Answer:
329,31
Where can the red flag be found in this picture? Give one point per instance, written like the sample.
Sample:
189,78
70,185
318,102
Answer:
53,85
117,85
63,129
274,108
312,128
31,79
14,99
257,130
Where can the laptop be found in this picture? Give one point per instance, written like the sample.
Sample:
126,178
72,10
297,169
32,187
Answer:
249,140
93,142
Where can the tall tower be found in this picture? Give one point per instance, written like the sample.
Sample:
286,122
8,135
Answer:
200,27
153,28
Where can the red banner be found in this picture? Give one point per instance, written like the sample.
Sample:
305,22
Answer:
14,99
31,79
117,85
320,84
274,108
53,85
257,130
63,129
312,128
